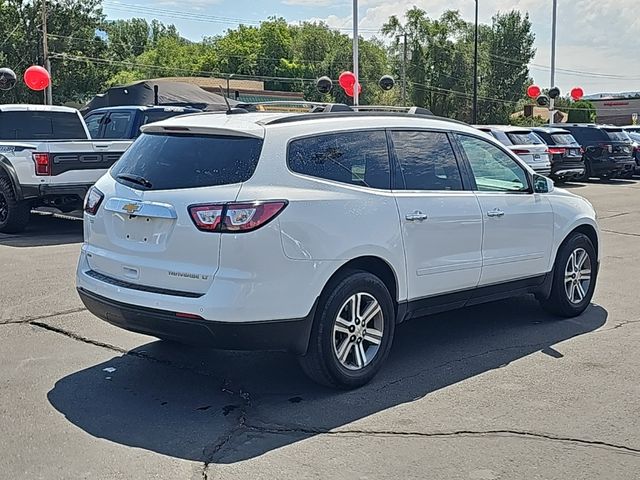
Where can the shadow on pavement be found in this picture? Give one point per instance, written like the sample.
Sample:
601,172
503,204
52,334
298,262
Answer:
183,412
45,230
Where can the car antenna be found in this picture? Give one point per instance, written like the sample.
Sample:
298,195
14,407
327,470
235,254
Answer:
230,110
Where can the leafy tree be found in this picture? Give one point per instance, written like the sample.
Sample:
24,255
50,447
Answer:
582,111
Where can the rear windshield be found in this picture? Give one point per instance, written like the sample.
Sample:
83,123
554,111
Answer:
564,139
165,162
34,125
617,135
524,138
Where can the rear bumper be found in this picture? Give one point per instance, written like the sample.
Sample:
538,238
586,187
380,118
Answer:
48,190
567,169
609,167
288,335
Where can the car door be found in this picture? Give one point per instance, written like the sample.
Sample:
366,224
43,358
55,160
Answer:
441,221
95,124
518,224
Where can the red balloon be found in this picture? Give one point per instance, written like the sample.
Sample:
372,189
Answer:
349,90
37,78
347,80
534,91
577,93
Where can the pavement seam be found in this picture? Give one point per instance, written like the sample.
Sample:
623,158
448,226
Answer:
41,317
620,233
280,429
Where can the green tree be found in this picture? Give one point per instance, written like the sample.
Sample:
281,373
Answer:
582,111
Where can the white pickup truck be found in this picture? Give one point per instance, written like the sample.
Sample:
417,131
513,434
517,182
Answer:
47,158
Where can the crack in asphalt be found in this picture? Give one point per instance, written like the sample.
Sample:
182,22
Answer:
41,317
620,233
282,429
123,351
614,215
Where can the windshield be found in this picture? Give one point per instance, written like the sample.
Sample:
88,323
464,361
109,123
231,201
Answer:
564,139
38,125
524,138
164,162
618,135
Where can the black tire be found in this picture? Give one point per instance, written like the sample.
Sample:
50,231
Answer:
321,361
587,172
559,303
14,215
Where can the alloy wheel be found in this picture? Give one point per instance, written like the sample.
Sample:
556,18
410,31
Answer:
577,275
357,331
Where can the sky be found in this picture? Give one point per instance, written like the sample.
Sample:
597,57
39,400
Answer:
598,41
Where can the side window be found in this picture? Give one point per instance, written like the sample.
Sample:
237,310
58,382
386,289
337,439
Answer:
426,161
93,124
117,125
358,158
493,169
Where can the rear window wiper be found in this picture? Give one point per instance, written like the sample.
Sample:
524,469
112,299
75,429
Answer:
129,177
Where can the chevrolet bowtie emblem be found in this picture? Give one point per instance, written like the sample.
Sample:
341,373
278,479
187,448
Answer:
131,208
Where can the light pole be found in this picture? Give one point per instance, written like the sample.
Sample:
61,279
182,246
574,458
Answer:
475,71
554,23
355,53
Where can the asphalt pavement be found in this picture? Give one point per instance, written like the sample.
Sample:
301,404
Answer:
498,391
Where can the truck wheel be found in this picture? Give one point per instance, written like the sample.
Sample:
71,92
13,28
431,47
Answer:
352,332
14,215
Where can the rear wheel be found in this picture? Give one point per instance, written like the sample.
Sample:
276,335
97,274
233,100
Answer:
352,332
587,172
14,215
574,277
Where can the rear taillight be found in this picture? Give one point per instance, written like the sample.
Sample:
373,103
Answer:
93,200
43,165
582,151
521,152
235,217
557,151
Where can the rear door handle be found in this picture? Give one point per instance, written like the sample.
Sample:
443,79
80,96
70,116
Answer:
416,216
496,212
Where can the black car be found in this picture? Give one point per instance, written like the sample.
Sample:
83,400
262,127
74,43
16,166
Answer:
565,152
607,149
635,138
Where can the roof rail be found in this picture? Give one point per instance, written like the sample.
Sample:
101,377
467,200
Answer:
353,113
393,108
299,106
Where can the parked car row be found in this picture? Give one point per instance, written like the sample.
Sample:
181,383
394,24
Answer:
573,151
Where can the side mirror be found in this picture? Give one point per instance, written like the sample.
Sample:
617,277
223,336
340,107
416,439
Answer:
542,184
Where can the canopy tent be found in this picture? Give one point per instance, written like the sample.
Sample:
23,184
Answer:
169,93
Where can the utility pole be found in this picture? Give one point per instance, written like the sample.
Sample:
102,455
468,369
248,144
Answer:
475,72
355,53
45,53
552,111
404,70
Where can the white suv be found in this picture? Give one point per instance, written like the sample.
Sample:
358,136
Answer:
318,233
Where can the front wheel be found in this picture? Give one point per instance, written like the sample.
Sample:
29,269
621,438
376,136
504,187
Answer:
574,277
352,332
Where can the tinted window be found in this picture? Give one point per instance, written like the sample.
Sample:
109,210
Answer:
358,158
93,124
564,139
634,136
501,137
156,116
41,126
493,169
524,138
118,125
618,135
186,161
426,161
588,135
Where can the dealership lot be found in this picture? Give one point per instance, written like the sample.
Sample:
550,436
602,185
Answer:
496,391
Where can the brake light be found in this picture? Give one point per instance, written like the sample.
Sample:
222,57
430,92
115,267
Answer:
582,150
43,165
93,200
235,217
521,152
557,151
